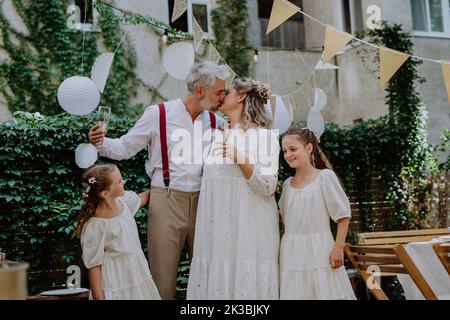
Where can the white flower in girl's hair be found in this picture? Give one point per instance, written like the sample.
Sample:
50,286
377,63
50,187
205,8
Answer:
87,188
92,180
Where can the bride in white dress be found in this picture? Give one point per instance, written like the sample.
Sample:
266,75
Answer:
237,230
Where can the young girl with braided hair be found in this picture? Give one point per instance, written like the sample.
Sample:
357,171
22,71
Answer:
311,261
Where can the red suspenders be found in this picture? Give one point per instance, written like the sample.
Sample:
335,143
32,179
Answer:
163,139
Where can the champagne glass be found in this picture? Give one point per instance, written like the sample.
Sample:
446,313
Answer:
103,117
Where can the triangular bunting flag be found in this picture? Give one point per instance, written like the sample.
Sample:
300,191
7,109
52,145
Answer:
335,40
281,11
325,66
390,62
214,55
198,34
179,7
232,76
446,71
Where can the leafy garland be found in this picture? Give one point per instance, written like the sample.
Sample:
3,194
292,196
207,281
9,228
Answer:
106,10
230,20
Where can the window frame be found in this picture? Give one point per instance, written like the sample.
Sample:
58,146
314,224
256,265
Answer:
282,33
353,16
190,21
89,27
445,4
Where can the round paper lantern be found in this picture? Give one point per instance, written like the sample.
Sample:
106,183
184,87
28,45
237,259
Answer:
78,95
85,155
320,99
315,122
178,59
283,118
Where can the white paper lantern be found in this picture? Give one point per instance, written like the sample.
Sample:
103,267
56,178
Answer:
320,99
315,122
85,155
283,118
178,59
78,95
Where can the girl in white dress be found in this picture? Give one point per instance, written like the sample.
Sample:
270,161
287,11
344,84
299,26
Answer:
311,262
237,228
118,269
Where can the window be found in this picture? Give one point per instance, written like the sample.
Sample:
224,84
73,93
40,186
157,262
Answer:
290,34
181,23
352,16
197,8
85,15
431,17
200,13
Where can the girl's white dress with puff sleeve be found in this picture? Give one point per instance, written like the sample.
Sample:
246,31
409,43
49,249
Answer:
114,244
305,269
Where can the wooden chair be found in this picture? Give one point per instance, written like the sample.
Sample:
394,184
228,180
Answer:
388,238
443,252
390,261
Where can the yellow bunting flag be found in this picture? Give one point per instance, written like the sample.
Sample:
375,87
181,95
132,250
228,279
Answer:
198,34
446,71
335,40
390,62
179,7
281,11
214,55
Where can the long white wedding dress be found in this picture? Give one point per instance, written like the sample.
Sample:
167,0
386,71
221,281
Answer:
237,229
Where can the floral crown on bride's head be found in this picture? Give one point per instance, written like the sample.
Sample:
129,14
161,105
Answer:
262,90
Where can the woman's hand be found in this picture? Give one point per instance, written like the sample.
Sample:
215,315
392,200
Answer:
225,149
337,257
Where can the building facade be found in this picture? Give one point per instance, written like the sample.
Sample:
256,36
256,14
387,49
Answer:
352,90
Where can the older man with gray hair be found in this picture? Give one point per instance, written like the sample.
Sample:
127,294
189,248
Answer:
175,185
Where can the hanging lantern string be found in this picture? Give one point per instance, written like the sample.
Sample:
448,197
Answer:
120,42
84,37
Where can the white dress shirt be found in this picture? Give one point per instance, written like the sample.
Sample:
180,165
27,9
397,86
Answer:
188,144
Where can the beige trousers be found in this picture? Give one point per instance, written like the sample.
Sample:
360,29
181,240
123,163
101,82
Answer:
171,225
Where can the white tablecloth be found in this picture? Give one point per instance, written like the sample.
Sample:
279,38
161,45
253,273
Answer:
428,263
